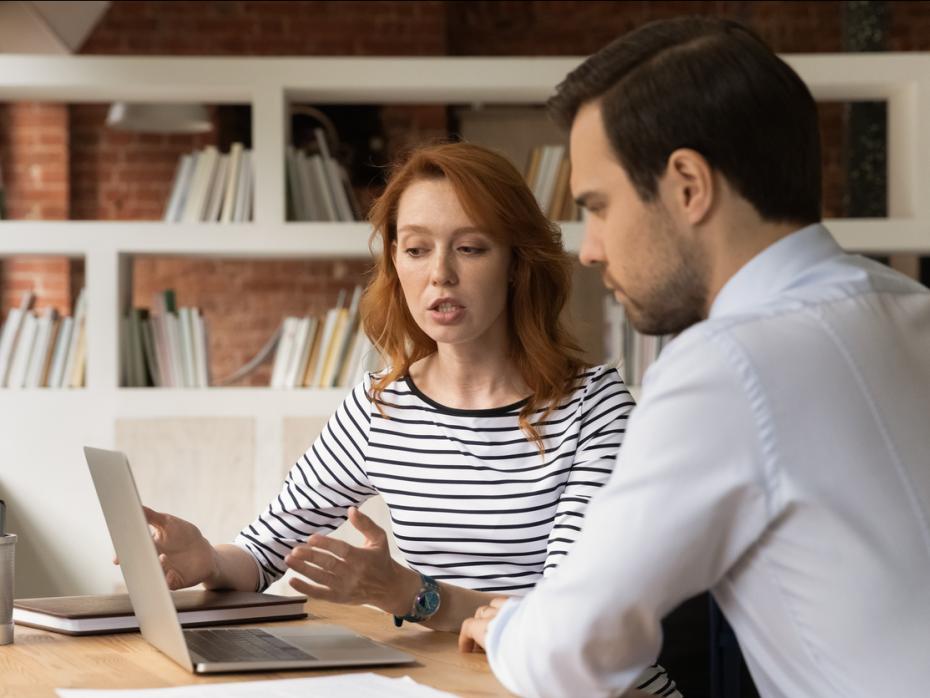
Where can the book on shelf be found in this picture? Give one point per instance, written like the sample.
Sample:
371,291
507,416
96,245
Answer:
323,352
630,351
212,186
164,346
326,341
74,359
24,347
318,185
11,332
529,139
547,174
59,358
89,615
37,373
233,173
182,178
40,350
342,342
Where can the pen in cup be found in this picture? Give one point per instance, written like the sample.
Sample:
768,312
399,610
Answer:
2,516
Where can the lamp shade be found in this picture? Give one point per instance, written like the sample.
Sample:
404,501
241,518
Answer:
159,118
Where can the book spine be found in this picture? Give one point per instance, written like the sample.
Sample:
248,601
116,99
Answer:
57,371
176,200
232,181
80,308
23,354
282,356
187,347
153,368
200,348
50,346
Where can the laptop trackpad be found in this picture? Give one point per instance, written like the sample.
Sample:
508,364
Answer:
327,642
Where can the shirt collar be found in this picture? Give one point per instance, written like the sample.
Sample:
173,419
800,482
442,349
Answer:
774,269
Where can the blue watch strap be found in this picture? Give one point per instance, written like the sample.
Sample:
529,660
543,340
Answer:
425,603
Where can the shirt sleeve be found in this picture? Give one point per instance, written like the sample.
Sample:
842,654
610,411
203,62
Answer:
328,479
605,406
687,498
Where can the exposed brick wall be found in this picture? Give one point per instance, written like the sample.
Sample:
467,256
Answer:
48,277
117,176
34,143
382,28
34,160
243,301
486,27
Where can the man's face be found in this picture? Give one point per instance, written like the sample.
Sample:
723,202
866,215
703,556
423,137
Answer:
657,272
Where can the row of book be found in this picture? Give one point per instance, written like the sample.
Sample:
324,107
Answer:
631,352
212,186
164,346
331,351
547,174
43,351
318,187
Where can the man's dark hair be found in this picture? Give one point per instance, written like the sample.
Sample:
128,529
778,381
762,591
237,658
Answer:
713,86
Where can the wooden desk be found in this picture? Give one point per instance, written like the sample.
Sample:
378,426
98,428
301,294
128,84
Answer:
40,661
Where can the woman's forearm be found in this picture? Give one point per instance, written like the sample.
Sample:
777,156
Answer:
456,603
234,569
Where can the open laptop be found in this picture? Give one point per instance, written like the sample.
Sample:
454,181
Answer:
209,650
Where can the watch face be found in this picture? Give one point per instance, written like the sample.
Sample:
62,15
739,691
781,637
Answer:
428,602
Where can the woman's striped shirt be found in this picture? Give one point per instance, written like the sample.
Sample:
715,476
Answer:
472,501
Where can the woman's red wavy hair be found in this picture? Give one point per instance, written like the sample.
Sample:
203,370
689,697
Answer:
496,198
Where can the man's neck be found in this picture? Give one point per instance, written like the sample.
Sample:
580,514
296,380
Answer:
738,241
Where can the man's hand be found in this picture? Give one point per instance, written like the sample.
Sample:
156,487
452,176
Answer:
344,573
474,630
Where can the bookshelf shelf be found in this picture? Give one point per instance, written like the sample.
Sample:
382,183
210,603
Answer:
43,429
333,240
78,238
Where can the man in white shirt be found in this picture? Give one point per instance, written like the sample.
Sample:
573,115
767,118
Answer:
780,455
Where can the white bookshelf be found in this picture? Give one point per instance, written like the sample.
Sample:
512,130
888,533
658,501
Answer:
42,474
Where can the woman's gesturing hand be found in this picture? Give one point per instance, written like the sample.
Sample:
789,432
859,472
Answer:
344,573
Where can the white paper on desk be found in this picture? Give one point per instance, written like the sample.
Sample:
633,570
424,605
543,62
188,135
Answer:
343,685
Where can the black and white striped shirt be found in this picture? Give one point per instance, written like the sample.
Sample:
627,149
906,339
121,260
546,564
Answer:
472,501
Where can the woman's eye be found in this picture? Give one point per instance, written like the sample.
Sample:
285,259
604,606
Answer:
467,249
414,251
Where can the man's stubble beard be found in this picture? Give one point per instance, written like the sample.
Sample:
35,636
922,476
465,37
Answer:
678,298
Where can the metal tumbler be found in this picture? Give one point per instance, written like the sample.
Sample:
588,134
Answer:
7,548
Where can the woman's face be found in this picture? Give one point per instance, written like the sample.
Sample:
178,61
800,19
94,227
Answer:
454,276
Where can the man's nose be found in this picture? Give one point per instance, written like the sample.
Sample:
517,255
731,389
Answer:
592,251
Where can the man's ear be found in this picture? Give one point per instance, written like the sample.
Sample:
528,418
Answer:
689,184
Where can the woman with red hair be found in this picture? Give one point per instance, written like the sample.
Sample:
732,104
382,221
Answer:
486,434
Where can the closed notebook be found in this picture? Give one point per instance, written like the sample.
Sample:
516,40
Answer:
89,615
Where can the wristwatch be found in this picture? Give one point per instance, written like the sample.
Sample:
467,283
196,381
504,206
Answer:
425,603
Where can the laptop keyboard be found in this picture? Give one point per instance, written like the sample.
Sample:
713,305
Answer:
241,645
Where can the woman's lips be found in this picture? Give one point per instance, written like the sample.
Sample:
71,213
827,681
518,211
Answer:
447,314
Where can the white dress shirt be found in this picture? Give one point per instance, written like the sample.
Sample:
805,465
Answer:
780,457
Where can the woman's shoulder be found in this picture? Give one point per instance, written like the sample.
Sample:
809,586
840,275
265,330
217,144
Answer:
593,377
373,381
